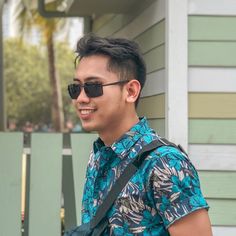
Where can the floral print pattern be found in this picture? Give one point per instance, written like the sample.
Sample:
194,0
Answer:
163,190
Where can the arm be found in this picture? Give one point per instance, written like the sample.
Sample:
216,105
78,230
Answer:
196,223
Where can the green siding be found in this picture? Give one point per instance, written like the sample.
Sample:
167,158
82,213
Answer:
119,21
218,184
155,59
101,21
212,54
220,193
11,149
158,125
212,131
45,184
112,26
157,110
222,212
212,28
153,37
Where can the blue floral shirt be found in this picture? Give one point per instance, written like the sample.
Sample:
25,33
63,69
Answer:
163,190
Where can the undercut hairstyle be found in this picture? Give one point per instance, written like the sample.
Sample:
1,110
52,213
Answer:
125,58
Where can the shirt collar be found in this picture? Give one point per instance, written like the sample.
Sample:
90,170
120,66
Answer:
122,146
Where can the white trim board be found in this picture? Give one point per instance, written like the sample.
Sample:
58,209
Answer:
212,79
176,80
155,84
150,16
224,231
212,7
213,157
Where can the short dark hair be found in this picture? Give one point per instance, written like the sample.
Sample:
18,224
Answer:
125,56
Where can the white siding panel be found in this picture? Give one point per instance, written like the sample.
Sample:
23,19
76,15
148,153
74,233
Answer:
213,157
224,231
155,84
212,7
212,79
150,16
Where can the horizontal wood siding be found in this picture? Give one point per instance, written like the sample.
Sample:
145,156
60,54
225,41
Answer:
152,107
155,84
222,211
155,59
201,80
100,21
138,20
212,28
212,131
212,105
218,184
217,187
212,7
213,156
201,105
203,53
209,79
153,37
158,125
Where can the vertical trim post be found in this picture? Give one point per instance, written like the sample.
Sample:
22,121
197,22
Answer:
176,94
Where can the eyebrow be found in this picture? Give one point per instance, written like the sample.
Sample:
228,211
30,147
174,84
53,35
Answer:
88,79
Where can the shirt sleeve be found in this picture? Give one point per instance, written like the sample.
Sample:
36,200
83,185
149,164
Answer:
176,186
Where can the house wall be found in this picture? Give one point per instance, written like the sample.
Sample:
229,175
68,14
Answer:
145,25
211,74
212,105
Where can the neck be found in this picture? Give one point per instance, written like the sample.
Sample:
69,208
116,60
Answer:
124,126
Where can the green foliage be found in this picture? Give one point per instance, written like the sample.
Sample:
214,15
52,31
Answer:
65,67
28,93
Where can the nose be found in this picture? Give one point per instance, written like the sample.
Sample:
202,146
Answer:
82,98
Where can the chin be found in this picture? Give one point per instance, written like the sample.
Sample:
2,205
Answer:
88,128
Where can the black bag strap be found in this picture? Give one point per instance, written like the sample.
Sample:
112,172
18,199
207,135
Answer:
129,171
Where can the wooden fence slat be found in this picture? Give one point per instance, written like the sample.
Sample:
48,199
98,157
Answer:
81,145
45,185
11,150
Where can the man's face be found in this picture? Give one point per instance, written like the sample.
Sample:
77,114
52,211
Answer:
104,113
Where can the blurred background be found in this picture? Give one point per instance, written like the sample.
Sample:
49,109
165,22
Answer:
38,65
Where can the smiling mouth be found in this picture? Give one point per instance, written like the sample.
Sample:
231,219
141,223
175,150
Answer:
84,111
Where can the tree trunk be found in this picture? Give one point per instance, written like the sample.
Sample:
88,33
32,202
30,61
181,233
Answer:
57,108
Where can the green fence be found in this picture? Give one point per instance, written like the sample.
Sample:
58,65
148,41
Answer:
54,170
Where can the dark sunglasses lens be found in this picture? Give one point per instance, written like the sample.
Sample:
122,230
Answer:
74,90
93,90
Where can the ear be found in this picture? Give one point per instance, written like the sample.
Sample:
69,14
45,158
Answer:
133,89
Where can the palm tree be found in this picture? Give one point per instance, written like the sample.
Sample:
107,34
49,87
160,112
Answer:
27,18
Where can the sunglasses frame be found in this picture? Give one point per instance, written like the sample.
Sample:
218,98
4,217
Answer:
92,89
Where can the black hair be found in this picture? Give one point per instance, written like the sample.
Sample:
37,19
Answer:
125,57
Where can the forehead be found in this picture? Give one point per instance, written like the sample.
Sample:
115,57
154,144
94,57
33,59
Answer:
94,66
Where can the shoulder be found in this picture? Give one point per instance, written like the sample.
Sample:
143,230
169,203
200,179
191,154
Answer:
171,157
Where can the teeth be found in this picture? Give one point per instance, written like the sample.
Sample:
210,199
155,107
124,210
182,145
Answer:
85,112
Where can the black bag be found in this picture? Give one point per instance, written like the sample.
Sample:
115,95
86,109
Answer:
100,222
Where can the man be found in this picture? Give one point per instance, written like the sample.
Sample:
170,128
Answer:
164,196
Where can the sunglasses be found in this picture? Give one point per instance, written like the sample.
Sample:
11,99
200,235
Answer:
92,89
